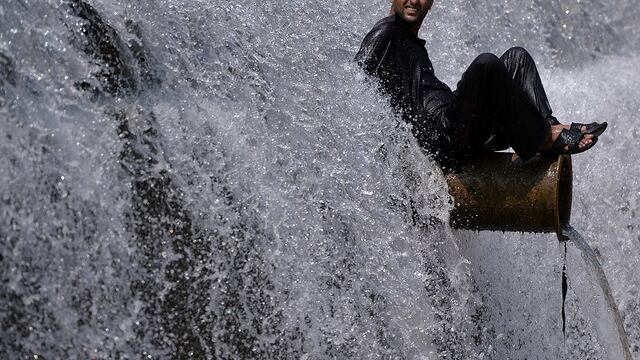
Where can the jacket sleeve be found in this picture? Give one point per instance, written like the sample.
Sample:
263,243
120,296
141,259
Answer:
373,51
433,122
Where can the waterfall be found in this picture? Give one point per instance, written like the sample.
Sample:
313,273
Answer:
217,180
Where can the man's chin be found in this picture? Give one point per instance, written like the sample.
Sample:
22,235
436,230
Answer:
409,18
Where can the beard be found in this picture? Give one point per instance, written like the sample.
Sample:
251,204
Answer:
412,17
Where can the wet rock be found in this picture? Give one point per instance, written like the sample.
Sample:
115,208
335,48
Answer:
102,42
151,72
7,76
182,321
7,70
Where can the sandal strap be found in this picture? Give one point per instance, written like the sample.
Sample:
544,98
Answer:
594,128
576,127
570,138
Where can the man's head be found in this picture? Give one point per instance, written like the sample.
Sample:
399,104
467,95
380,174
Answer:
411,11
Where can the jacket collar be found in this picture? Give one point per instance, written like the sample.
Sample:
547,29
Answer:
406,27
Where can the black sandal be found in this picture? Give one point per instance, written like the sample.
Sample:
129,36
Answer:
570,139
594,128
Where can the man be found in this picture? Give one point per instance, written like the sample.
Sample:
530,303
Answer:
499,102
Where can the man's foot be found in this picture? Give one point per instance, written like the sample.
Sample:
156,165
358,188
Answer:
594,128
566,140
585,140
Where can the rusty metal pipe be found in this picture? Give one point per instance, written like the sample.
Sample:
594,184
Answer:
497,191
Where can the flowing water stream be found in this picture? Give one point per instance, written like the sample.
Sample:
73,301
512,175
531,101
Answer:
618,349
214,179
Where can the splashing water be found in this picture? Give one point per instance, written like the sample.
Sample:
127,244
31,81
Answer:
210,179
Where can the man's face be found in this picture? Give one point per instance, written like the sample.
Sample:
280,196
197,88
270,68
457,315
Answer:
411,11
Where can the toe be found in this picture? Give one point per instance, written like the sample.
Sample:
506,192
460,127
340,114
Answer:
585,142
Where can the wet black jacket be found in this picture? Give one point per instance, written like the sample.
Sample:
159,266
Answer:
398,58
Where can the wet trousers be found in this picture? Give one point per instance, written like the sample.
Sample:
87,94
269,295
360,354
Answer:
501,103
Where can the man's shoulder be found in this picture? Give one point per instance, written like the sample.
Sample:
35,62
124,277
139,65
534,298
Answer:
381,44
388,22
385,27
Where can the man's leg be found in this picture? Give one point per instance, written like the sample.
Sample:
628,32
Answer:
524,72
491,105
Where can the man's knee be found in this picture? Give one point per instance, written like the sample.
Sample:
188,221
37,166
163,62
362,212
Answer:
518,53
487,61
485,65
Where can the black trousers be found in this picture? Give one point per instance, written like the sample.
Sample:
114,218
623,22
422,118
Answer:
501,103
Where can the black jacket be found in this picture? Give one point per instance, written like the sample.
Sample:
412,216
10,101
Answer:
398,58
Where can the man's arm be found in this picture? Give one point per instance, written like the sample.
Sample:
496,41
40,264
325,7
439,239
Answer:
374,50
